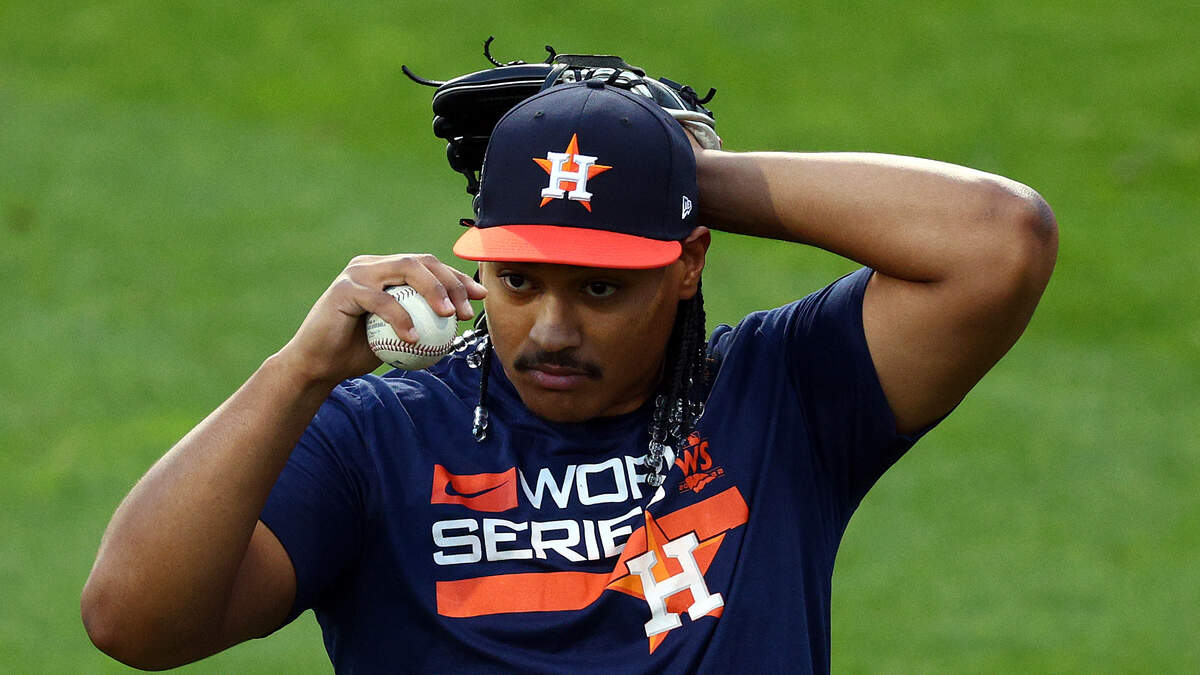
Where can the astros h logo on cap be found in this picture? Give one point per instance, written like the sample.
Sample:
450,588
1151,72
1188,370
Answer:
584,174
569,171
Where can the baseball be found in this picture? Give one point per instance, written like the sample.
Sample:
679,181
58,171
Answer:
437,333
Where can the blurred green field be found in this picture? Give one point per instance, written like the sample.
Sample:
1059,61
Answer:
179,181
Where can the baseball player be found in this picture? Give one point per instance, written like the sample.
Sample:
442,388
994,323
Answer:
592,483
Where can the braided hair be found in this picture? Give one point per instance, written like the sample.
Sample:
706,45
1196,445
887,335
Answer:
678,401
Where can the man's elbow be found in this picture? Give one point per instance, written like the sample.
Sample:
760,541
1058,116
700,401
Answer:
101,620
1025,245
112,630
1039,228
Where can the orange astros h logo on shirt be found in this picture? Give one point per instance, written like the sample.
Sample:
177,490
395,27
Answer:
569,174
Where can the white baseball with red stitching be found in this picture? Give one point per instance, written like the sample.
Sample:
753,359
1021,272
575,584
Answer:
436,332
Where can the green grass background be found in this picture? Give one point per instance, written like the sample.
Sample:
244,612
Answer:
180,180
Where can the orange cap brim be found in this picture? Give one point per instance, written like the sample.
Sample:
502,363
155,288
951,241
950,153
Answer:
561,245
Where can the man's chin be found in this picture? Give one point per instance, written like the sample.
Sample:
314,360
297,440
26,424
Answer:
559,406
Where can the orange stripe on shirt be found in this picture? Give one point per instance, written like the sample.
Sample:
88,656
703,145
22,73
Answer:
525,592
565,591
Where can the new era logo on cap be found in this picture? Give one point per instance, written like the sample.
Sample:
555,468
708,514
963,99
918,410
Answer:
687,207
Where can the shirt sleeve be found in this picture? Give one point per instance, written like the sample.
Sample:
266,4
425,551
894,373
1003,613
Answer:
820,341
316,508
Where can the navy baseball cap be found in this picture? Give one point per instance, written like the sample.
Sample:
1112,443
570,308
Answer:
584,174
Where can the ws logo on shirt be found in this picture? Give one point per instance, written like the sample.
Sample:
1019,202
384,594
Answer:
697,465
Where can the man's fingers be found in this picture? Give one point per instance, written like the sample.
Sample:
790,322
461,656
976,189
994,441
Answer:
475,290
411,270
447,290
457,291
430,287
385,306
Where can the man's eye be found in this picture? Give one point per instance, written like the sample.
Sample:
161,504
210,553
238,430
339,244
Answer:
515,281
600,289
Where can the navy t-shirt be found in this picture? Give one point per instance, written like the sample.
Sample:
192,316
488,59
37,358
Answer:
543,550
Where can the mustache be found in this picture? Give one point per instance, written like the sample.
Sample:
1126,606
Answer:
563,359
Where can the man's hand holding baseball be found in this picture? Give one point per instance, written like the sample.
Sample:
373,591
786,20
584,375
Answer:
331,344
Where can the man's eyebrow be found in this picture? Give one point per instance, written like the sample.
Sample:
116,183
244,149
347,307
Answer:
576,273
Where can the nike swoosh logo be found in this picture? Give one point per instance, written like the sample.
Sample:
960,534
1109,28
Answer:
471,495
492,492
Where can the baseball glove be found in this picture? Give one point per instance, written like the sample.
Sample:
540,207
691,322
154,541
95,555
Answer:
467,107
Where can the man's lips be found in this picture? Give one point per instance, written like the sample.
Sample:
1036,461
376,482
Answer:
557,371
558,378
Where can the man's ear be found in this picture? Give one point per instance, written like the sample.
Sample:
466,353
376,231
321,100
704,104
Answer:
695,247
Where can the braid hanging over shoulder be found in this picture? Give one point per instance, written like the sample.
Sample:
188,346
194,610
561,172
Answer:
679,402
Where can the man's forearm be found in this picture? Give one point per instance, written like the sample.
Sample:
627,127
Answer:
913,219
173,549
184,569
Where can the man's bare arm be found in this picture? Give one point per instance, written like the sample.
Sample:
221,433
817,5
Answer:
185,568
961,256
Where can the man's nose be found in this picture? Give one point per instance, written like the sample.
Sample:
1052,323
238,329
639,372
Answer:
557,325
